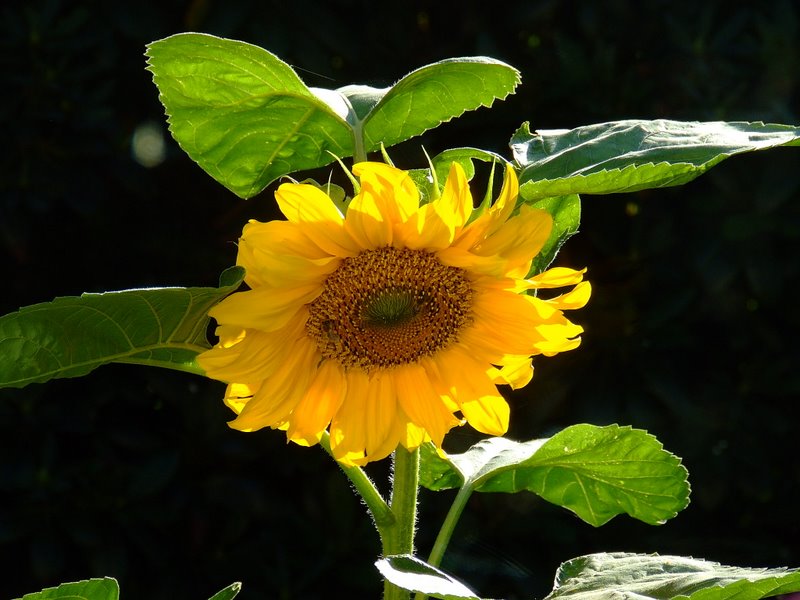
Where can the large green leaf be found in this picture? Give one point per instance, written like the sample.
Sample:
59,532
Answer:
90,589
631,155
247,119
643,576
412,574
72,336
242,113
596,472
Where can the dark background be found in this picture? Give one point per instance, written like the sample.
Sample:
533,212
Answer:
691,332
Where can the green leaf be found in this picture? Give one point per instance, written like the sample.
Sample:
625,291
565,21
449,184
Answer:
228,593
566,214
247,119
242,113
596,472
410,573
90,589
72,336
631,155
643,576
434,94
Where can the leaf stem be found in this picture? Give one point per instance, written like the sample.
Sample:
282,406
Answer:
379,510
449,525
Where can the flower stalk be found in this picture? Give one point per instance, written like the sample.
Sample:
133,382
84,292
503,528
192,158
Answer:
399,538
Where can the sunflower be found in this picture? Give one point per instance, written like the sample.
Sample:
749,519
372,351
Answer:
393,324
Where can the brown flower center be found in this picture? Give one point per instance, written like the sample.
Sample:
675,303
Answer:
389,307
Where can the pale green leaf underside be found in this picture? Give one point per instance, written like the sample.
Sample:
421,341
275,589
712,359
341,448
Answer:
415,575
72,336
653,577
596,472
247,119
91,589
631,155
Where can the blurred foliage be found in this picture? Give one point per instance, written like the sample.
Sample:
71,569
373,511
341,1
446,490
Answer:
132,472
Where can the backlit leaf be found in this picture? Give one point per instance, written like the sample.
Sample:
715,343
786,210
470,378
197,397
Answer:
596,472
72,336
90,589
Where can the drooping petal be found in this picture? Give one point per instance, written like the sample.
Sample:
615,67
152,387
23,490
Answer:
278,394
421,402
322,399
366,427
472,388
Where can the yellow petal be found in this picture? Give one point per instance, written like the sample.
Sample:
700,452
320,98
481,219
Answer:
556,277
472,387
322,399
317,215
393,190
278,395
387,199
265,309
514,370
366,427
239,394
420,401
521,238
254,357
576,298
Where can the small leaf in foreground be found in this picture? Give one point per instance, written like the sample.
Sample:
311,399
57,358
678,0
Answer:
72,336
596,472
228,593
410,573
654,577
631,155
90,589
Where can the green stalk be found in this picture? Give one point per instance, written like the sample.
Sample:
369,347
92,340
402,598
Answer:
399,539
359,152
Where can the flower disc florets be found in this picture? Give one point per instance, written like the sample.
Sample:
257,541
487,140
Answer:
388,307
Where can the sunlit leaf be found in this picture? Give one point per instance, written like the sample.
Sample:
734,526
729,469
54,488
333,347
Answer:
643,576
434,94
90,589
242,113
596,472
228,593
631,155
246,117
412,574
72,336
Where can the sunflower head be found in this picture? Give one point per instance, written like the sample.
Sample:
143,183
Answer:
392,324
